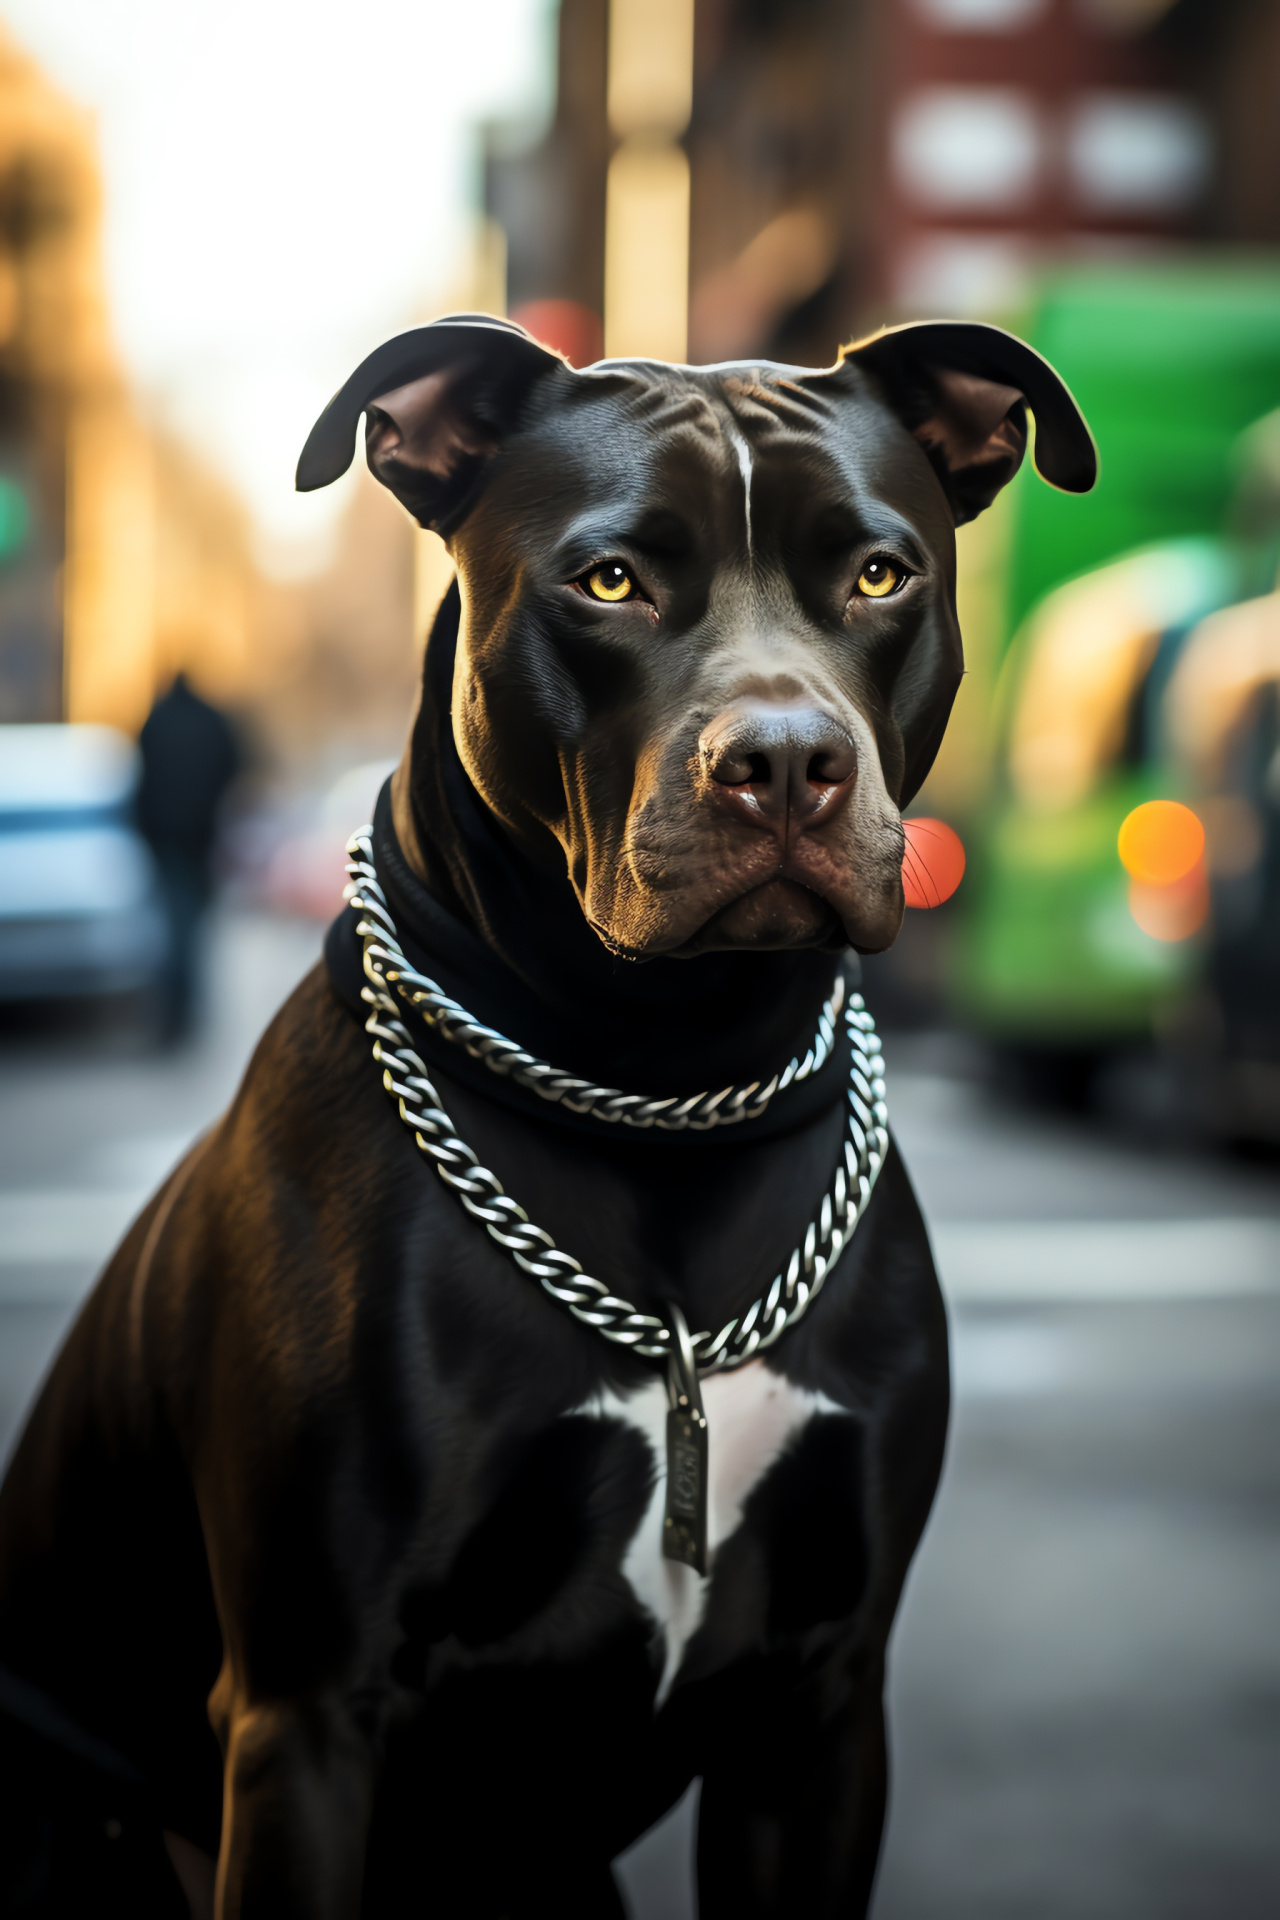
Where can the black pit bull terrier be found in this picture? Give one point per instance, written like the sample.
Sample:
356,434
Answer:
338,1548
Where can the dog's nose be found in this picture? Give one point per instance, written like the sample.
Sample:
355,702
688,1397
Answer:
781,764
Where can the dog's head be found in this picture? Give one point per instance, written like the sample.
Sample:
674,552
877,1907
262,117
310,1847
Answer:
709,642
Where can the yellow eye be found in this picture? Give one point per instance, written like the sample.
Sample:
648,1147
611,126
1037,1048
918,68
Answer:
610,582
879,577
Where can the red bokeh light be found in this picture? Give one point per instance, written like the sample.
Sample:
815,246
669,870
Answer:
932,862
565,325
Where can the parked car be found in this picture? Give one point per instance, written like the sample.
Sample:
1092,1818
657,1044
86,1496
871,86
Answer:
78,907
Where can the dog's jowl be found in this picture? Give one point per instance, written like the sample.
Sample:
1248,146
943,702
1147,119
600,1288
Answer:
529,1396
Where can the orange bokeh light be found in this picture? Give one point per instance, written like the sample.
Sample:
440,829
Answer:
1160,843
1173,912
932,862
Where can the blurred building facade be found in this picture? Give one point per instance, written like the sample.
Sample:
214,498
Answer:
341,651
121,556
124,557
934,156
846,162
52,349
550,202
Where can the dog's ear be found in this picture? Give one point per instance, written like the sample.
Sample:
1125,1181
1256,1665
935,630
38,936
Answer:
437,403
963,390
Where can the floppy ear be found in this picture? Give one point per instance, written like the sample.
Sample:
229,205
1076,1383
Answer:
963,390
437,403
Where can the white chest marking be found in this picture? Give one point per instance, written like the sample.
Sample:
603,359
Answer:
751,1415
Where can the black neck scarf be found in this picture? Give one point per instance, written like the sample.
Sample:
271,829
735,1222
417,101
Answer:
512,946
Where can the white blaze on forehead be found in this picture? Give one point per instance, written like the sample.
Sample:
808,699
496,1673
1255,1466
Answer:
751,1415
743,452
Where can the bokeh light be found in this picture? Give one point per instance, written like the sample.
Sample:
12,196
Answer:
932,862
1160,842
1175,911
564,325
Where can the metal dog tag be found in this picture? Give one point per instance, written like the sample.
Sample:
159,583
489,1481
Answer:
684,1530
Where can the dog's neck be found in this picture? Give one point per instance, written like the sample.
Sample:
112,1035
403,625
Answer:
660,1025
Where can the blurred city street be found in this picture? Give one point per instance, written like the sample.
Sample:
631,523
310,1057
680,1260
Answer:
91,1121
1086,1672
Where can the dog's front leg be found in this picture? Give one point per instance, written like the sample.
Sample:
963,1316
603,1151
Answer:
793,1805
296,1801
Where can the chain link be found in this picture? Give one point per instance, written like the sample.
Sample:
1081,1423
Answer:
406,1080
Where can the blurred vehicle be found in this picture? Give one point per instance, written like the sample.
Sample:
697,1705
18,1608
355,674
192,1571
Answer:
1153,679
1171,363
1053,953
79,912
307,870
1223,717
1061,952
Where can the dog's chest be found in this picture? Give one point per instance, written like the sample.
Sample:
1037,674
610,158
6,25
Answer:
752,1413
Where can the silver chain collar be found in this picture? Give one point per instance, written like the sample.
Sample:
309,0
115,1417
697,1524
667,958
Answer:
699,1112
405,1078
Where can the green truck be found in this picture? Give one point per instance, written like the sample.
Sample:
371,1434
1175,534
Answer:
1170,366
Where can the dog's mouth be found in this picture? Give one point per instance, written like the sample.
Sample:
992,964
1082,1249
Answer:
742,892
779,915
818,890
775,916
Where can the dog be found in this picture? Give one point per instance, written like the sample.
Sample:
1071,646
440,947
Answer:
335,1549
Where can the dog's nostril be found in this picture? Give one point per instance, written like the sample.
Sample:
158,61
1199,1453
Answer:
734,767
831,764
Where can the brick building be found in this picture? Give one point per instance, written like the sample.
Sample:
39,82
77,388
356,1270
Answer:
851,160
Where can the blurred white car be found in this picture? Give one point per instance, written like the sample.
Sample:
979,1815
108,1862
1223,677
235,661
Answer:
78,906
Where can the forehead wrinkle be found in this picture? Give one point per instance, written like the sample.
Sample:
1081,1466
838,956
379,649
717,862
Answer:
772,406
765,419
670,406
625,483
701,438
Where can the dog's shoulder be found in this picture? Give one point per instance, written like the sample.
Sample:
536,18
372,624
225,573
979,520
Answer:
313,1048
